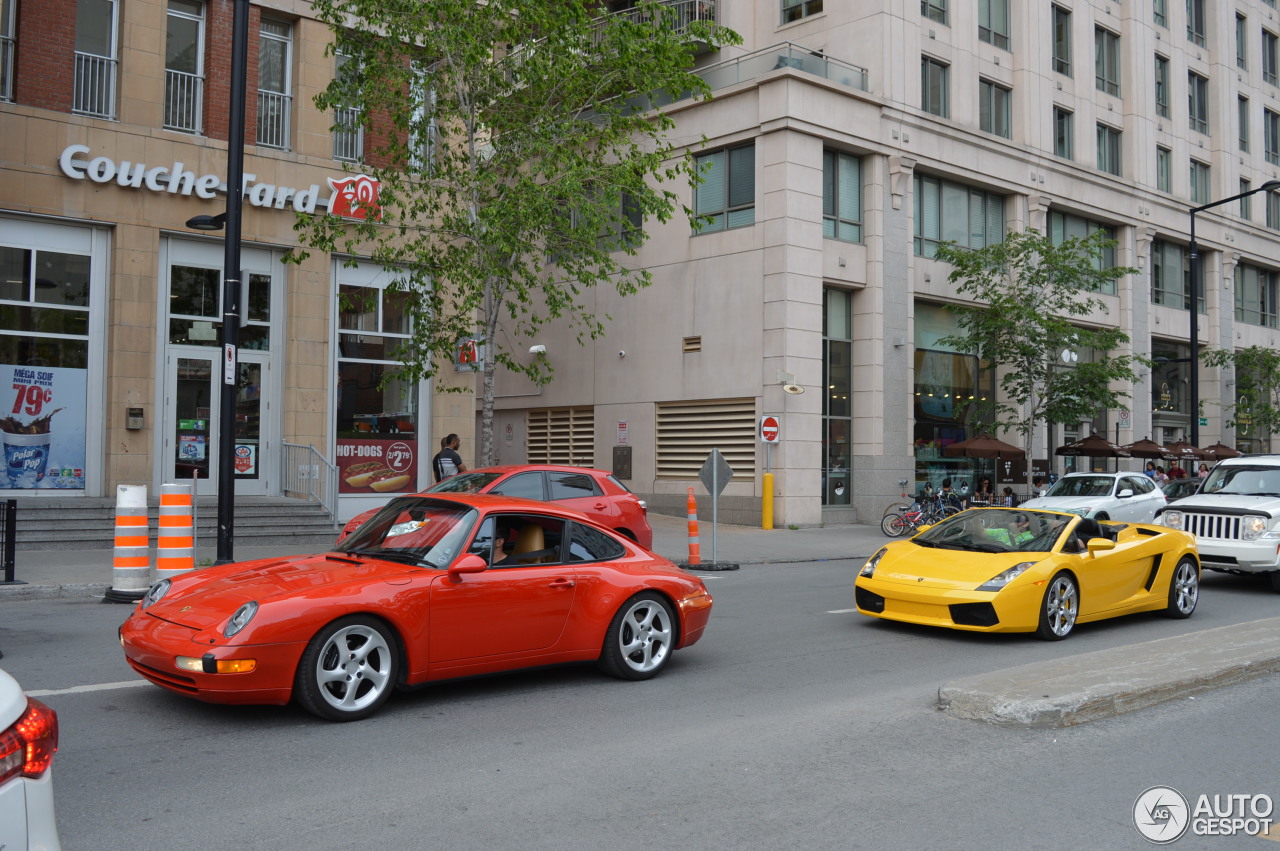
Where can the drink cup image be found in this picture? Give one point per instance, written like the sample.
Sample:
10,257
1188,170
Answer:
26,458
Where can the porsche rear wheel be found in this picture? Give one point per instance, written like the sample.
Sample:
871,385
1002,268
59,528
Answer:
640,638
348,669
1060,607
1184,590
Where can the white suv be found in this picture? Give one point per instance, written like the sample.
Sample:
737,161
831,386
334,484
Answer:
28,739
1131,497
1235,517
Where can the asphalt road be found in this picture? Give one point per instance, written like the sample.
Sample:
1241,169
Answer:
793,724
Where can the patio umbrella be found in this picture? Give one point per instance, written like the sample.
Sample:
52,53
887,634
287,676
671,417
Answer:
1183,451
984,446
1093,446
1147,448
1218,451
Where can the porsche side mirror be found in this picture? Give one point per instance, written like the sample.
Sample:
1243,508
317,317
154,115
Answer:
469,563
1097,545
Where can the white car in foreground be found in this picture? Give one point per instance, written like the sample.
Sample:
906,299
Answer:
1129,497
28,740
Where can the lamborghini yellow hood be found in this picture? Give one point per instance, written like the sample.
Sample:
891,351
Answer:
907,563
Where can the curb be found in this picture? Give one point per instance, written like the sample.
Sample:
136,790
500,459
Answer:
1106,683
49,592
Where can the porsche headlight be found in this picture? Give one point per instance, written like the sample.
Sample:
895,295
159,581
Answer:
1172,519
1252,527
997,582
869,569
240,619
155,592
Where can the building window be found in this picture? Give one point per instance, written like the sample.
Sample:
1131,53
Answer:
1109,149
1062,40
1271,136
1064,226
348,127
686,432
184,66
993,108
841,196
561,436
1063,121
1273,210
1164,169
94,92
1255,296
1162,86
837,402
1242,121
933,87
1246,208
1269,57
993,22
275,63
727,193
8,10
1160,13
423,130
947,211
1195,22
1198,102
1242,41
1107,61
794,10
934,10
1170,275
947,383
1199,182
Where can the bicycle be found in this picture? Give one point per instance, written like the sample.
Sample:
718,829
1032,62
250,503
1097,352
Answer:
925,511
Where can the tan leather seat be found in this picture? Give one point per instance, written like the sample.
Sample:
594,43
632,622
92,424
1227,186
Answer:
530,540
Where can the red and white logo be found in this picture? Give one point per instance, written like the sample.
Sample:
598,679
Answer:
355,197
769,429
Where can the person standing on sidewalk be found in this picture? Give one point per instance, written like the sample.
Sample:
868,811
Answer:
447,462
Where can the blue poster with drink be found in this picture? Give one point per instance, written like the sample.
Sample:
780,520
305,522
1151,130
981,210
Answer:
42,426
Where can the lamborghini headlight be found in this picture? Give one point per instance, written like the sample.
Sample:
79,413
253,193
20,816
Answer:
240,619
997,582
869,569
1251,528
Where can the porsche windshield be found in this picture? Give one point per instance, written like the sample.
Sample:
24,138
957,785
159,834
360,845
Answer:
1082,486
996,530
414,530
1243,479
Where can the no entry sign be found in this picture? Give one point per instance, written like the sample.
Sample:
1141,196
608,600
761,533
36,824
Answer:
770,428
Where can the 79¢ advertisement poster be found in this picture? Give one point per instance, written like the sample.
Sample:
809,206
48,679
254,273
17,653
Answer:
42,426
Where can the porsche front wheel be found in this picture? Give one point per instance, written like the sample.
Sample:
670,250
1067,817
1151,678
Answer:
1184,590
348,669
1059,609
640,638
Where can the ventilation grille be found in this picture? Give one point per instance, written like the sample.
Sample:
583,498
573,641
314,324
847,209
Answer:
687,432
562,436
691,344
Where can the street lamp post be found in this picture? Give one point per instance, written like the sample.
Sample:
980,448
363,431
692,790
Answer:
1194,432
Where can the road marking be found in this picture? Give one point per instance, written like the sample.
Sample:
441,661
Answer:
50,692
841,611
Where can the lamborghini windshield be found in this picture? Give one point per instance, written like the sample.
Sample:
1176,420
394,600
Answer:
996,530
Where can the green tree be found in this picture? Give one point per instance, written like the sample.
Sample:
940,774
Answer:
518,160
1031,296
1257,374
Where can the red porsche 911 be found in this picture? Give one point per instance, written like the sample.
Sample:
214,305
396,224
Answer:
430,588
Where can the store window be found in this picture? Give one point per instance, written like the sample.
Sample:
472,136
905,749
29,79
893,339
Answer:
837,405
1170,390
376,407
947,384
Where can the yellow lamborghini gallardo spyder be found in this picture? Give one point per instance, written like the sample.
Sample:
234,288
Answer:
1019,570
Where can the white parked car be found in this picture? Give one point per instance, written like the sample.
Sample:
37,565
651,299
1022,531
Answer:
28,740
1130,497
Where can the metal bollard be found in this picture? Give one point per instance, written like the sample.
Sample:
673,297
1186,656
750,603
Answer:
175,541
131,564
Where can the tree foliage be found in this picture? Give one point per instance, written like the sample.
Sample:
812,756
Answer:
1031,294
516,155
1256,408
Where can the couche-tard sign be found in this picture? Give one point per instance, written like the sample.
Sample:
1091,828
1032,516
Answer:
353,197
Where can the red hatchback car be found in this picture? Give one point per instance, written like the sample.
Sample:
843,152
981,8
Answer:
595,493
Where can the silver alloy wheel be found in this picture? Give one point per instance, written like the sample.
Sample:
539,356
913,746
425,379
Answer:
1186,585
353,669
1061,605
645,636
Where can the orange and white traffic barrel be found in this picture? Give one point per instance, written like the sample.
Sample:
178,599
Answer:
695,547
175,543
131,562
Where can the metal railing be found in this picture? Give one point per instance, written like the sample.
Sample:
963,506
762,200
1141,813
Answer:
6,67
686,12
183,94
274,109
95,86
348,135
307,473
9,541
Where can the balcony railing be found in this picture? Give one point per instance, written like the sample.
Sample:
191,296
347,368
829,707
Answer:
6,68
183,94
348,135
686,12
273,119
95,86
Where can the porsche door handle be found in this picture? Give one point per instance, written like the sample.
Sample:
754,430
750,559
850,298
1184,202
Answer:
561,583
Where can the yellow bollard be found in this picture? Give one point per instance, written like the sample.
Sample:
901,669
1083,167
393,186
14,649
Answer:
766,505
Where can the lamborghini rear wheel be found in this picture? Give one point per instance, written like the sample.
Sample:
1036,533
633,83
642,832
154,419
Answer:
1060,608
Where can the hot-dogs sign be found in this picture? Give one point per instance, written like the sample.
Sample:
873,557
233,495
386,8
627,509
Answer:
377,466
